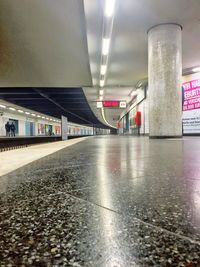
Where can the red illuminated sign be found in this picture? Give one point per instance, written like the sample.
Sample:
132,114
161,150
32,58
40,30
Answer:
111,104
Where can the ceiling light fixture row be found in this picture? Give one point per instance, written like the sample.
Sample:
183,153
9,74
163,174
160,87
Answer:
106,39
196,69
28,113
103,115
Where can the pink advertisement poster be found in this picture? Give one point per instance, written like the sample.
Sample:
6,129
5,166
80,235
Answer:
191,107
191,95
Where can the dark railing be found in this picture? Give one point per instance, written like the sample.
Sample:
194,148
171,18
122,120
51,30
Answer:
9,143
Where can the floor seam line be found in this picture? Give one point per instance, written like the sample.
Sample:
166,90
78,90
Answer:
141,221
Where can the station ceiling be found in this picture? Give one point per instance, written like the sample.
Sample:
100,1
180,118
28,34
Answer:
56,44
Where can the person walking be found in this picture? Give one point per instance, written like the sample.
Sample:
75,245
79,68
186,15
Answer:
12,128
7,127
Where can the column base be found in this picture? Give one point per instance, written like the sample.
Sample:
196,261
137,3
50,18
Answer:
165,137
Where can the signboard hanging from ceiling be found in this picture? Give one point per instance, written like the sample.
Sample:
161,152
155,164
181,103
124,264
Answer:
111,104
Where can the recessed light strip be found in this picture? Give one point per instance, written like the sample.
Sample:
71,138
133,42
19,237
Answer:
109,8
197,69
13,109
103,115
2,106
106,39
101,92
103,69
105,46
102,83
28,113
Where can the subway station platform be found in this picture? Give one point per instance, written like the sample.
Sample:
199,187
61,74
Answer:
106,201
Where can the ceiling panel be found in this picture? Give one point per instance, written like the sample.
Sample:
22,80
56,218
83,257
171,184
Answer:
43,43
128,56
94,26
128,60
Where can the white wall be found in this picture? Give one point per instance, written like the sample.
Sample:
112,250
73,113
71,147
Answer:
21,127
6,115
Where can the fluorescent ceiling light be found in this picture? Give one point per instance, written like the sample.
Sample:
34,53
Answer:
12,109
28,113
103,69
101,92
197,69
38,116
33,114
109,7
43,117
20,111
2,106
101,83
50,119
101,98
105,46
47,118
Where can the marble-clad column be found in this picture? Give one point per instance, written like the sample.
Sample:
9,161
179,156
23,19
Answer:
164,75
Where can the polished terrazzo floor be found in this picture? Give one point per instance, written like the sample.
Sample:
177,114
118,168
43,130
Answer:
106,201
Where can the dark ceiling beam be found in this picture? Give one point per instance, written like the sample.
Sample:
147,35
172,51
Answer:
6,92
48,105
62,108
63,93
85,109
26,99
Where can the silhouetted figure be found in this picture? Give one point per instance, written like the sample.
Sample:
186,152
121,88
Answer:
12,128
7,127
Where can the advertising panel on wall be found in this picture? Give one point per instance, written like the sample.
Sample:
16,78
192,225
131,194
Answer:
48,129
57,130
41,128
191,106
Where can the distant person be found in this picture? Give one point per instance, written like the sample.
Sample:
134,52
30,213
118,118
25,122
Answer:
7,127
12,128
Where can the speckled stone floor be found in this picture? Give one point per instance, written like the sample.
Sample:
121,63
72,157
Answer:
107,201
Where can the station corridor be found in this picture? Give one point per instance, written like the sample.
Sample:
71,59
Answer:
106,201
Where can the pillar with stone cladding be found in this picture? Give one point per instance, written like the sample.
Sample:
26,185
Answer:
164,78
